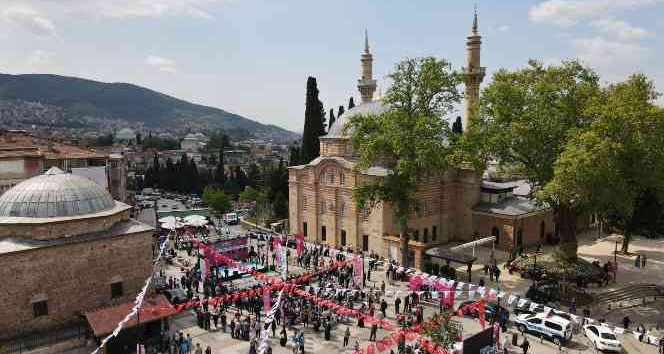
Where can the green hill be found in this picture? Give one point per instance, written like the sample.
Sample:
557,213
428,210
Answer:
127,102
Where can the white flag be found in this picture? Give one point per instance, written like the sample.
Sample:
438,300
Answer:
533,305
521,302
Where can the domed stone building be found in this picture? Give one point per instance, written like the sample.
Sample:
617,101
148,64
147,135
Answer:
456,205
66,247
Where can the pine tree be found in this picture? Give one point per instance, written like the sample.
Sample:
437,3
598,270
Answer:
331,119
314,122
351,103
294,153
457,126
340,111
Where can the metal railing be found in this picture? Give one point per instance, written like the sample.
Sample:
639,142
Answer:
28,342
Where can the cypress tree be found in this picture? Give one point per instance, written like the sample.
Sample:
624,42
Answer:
220,173
340,111
314,122
351,104
331,119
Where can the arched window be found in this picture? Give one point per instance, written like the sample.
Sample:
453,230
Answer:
342,178
542,229
495,232
342,210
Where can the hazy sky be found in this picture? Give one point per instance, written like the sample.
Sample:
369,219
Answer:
252,57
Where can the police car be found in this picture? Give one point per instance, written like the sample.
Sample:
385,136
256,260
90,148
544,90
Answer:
556,328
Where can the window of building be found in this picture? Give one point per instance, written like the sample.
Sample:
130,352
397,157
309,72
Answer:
343,237
323,233
322,207
416,235
304,229
304,203
40,308
425,235
116,290
365,215
434,233
365,242
330,176
342,210
425,210
342,178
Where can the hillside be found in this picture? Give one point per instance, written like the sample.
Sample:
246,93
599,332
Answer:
85,102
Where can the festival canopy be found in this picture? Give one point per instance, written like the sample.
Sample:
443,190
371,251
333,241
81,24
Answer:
168,219
172,225
195,220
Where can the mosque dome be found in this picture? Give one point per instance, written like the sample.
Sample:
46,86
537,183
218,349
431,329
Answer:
55,194
337,130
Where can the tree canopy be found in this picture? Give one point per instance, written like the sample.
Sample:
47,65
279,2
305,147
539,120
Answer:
526,119
409,138
217,200
617,158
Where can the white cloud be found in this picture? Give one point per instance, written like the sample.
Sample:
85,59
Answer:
129,8
163,64
621,29
503,28
39,59
567,13
598,51
28,19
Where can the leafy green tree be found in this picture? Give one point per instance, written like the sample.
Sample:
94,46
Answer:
314,122
409,139
280,205
217,200
249,194
610,164
443,330
139,139
331,119
351,104
254,175
217,141
526,119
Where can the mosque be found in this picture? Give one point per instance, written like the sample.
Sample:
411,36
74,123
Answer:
458,206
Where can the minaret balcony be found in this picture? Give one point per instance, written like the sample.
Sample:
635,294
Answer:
474,71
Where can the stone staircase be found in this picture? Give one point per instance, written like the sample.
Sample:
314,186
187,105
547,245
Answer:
628,296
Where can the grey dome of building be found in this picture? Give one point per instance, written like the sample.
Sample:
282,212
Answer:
55,194
337,129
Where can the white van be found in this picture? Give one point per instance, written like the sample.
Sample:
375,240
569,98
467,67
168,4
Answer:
231,218
556,328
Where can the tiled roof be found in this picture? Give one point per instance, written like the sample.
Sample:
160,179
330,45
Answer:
512,207
103,321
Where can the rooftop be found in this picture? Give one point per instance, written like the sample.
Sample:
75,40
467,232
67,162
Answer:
54,194
511,207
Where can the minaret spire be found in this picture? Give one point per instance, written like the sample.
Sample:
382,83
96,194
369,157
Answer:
474,29
366,85
473,72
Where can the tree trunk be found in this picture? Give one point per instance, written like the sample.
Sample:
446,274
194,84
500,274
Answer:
403,244
625,244
566,221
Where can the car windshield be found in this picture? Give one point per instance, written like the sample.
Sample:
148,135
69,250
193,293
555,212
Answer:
610,336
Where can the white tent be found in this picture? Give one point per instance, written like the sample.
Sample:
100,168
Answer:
195,220
170,219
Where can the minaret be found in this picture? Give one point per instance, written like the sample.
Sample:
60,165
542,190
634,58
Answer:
473,72
366,85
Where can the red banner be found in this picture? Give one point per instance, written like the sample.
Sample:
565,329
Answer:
299,243
266,299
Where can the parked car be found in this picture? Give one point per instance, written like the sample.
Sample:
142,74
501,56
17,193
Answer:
490,309
555,328
525,309
602,338
176,296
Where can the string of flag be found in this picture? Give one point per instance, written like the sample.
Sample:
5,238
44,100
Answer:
137,302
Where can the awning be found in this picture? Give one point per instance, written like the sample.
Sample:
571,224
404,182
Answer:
450,256
104,321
